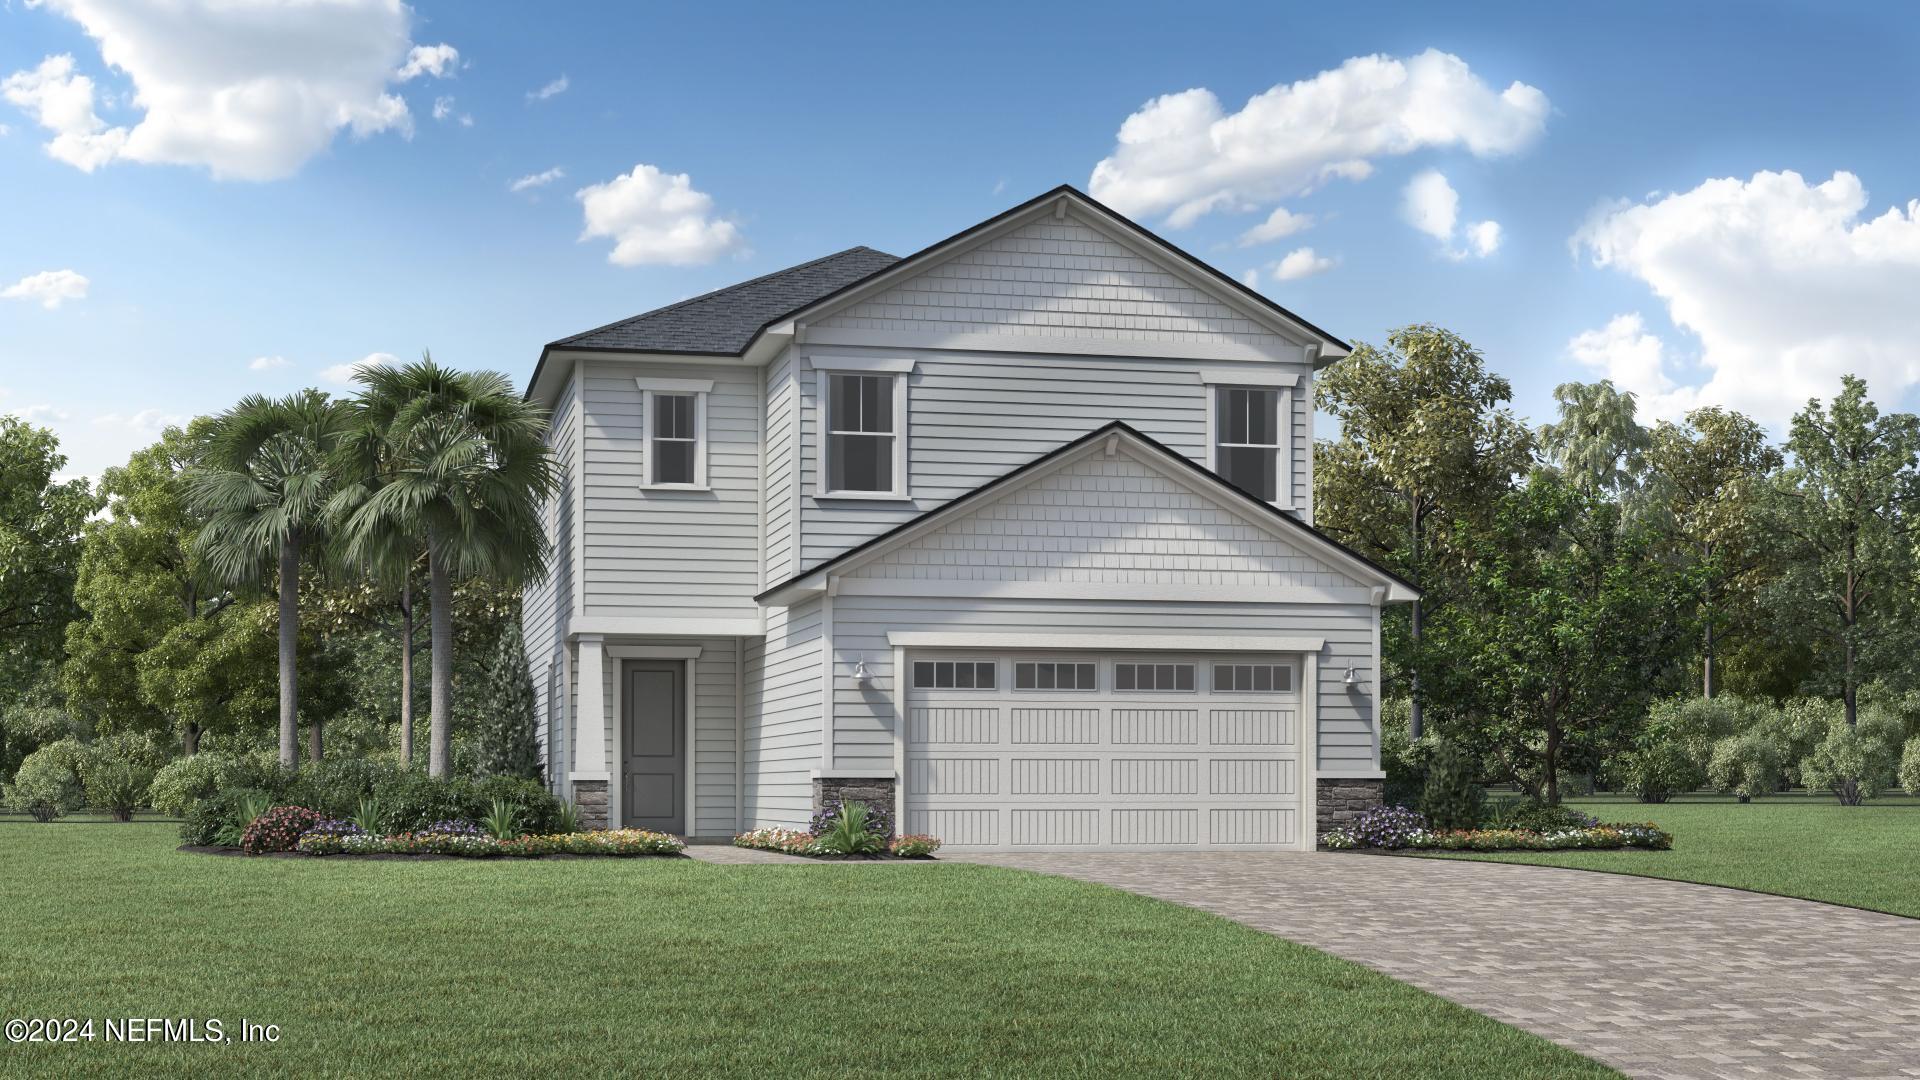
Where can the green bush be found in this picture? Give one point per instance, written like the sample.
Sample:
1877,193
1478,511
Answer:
1748,765
1529,815
1655,771
335,786
185,781
413,799
221,818
44,786
534,807
1855,762
117,770
1404,762
1450,798
1910,767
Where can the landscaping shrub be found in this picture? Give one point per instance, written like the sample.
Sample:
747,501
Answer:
774,838
118,787
278,829
334,827
1747,765
1386,827
617,842
1910,767
1538,816
1451,799
45,787
413,799
878,820
221,819
181,783
851,832
1855,762
1506,839
1655,771
451,827
535,809
566,818
336,785
915,846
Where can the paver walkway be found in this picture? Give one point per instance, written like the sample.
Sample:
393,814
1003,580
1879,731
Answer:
1656,978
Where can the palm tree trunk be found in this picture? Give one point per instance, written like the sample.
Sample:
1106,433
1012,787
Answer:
406,672
289,652
440,621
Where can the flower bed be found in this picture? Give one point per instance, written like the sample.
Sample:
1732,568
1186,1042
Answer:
1396,828
797,842
612,842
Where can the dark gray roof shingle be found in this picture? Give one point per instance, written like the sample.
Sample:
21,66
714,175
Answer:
725,321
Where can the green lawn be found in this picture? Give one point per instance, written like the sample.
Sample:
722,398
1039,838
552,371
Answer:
672,967
1795,845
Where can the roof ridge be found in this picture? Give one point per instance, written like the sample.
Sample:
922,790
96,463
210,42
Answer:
678,304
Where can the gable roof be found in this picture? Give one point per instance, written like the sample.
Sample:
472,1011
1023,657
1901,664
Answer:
1257,508
725,321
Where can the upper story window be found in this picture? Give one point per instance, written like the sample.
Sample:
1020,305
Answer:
675,419
864,443
1246,439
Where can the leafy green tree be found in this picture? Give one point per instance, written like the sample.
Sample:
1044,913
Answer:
505,738
264,477
1707,482
462,459
1559,636
1427,444
1845,509
1597,441
41,519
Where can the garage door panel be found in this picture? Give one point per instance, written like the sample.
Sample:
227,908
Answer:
1163,727
1054,776
1252,727
960,826
1251,776
1155,827
1064,726
1156,776
1252,826
977,725
954,775
1059,827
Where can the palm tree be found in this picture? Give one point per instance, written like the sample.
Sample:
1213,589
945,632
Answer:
263,479
461,458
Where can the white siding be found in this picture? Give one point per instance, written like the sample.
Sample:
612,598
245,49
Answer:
670,554
783,717
1057,277
546,605
977,416
863,717
783,407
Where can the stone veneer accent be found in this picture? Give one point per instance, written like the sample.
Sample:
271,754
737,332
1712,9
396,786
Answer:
874,791
1341,800
591,797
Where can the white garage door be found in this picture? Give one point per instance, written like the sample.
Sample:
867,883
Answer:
1114,751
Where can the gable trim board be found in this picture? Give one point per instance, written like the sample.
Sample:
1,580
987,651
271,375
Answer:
1156,455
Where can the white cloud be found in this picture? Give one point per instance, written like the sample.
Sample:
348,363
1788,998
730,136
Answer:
342,374
1281,223
145,424
1184,155
552,89
1784,284
539,179
246,90
48,288
1431,205
439,61
1635,360
656,218
268,363
1300,263
1483,237
443,111
41,414
62,102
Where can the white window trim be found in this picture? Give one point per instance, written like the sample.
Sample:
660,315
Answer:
824,406
699,389
1283,402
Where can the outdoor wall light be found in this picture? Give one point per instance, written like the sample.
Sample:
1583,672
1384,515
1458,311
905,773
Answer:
860,673
1353,679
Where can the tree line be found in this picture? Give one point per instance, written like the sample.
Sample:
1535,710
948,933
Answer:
281,566
1575,574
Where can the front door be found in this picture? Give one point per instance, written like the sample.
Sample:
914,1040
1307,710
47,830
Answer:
653,724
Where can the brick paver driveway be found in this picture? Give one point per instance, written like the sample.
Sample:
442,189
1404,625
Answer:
1656,978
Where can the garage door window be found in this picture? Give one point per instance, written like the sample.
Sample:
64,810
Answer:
1173,678
1055,675
954,674
1253,678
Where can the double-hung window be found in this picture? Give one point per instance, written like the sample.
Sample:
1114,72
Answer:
674,414
864,443
1246,434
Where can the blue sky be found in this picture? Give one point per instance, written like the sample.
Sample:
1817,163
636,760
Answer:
1693,199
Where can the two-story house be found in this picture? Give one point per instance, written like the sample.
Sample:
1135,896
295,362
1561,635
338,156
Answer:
1013,534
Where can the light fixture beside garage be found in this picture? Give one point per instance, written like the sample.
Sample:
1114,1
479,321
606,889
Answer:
860,673
1353,679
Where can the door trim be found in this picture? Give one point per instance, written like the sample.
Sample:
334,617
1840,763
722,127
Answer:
616,810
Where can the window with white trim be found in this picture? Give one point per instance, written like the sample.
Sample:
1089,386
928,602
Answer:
1253,678
955,674
864,447
674,418
1152,678
1056,675
1246,434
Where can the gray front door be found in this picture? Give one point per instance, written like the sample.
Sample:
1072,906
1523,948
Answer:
653,724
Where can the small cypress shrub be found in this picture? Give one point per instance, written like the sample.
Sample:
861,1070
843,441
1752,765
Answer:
504,736
1450,798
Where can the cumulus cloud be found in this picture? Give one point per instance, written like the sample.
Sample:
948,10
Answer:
656,218
145,424
1294,265
1636,360
42,414
48,288
268,363
443,111
247,91
551,90
342,374
1279,224
539,179
1184,155
1432,206
439,61
1785,285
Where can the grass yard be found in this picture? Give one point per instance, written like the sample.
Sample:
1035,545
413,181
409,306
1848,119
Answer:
673,967
1794,845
